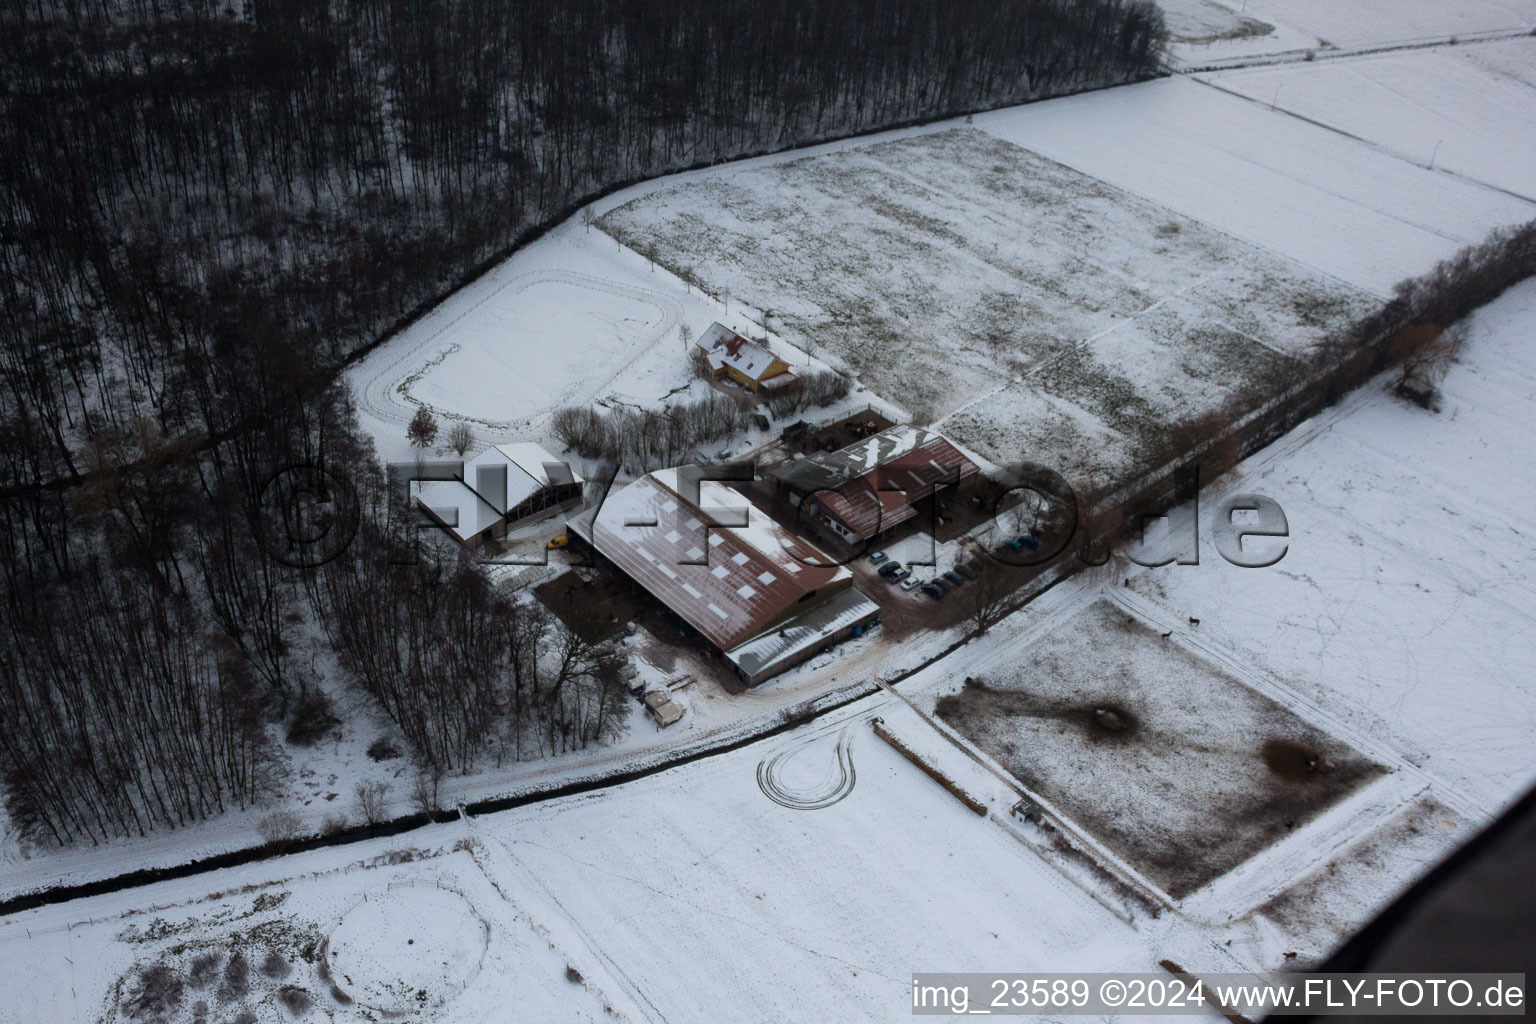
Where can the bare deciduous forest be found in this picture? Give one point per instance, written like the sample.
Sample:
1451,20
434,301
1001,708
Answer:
208,209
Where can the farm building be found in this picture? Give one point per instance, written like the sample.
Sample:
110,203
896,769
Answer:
765,599
862,491
505,486
748,364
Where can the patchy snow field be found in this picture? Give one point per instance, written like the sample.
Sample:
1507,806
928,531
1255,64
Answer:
1179,766
952,266
1470,109
358,934
1338,205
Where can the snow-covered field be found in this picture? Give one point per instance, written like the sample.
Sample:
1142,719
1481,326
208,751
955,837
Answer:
1340,206
1406,603
951,266
571,319
1208,30
1470,109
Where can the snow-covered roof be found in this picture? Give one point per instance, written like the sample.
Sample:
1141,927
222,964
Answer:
712,557
457,506
787,642
491,484
872,484
724,347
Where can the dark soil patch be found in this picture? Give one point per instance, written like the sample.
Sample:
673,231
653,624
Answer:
1179,767
1294,762
594,609
1111,720
1099,720
832,436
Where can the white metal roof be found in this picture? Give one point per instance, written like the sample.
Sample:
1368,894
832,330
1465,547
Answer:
492,483
815,627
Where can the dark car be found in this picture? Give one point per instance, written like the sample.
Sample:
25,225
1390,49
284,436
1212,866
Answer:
954,577
933,590
965,572
889,569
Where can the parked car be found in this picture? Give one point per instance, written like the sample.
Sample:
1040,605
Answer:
954,577
558,542
890,569
876,557
899,576
965,572
911,583
933,590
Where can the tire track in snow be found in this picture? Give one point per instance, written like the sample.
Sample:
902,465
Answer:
769,780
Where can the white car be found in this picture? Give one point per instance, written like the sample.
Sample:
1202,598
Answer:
911,583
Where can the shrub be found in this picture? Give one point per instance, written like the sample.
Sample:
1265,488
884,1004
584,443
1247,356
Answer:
204,969
382,749
370,800
274,966
156,993
313,719
280,827
237,978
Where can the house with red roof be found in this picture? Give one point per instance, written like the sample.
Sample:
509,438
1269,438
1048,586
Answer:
747,363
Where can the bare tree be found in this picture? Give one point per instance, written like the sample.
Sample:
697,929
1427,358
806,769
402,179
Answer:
461,437
425,788
987,595
280,827
370,800
1425,365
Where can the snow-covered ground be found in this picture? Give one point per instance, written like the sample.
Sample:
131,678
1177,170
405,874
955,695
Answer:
942,267
1340,206
571,319
323,777
952,269
1211,30
1396,624
1406,603
1469,110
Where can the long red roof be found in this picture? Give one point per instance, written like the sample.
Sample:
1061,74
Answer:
717,561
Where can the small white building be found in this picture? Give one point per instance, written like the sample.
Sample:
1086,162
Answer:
504,487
